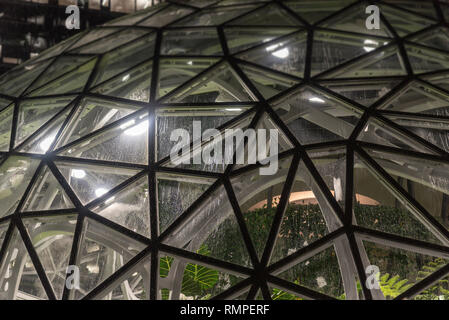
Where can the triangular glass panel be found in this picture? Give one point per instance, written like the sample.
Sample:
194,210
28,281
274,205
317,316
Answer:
268,83
176,194
135,287
125,142
437,38
94,35
6,116
71,82
214,16
209,230
52,239
283,142
102,252
354,20
239,39
44,141
172,118
195,41
382,64
35,113
364,92
316,10
426,60
111,42
197,282
420,7
92,115
420,98
427,180
331,165
3,228
438,290
61,66
376,207
308,216
320,273
21,281
404,22
132,19
221,84
47,194
273,13
435,131
258,195
211,150
314,117
287,55
331,49
122,59
175,72
378,132
129,207
16,173
134,85
15,81
166,16
394,279
57,49
4,103
93,181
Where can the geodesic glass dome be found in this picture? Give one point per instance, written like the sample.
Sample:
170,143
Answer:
92,207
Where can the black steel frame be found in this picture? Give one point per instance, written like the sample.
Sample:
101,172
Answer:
263,273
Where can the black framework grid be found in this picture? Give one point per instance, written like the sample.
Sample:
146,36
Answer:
262,275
